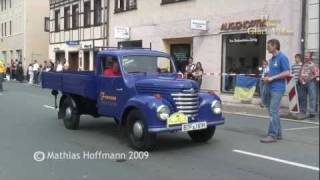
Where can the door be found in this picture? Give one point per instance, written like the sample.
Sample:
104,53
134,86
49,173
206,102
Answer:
180,53
86,60
73,61
111,89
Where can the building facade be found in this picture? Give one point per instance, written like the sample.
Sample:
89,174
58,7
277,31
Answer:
21,31
312,28
227,36
76,28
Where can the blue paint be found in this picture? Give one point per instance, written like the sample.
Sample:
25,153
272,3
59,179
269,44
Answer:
132,91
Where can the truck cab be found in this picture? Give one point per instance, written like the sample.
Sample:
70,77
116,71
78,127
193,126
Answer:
145,95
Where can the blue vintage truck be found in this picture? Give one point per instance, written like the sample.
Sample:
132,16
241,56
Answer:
147,97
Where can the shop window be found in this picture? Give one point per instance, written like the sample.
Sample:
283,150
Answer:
87,14
67,18
242,54
57,21
75,16
125,5
171,1
97,12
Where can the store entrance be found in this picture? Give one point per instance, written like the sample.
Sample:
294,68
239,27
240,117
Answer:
181,54
242,54
73,61
60,57
86,60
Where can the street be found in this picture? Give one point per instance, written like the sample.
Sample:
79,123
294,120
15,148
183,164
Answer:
29,124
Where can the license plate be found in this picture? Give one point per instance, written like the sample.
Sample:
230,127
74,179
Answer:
194,126
177,118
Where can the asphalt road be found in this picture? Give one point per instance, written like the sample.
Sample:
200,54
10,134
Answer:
28,126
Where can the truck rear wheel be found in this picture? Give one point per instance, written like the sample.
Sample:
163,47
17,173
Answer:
71,117
138,135
202,135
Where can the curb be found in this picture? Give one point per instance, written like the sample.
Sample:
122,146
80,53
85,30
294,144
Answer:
267,117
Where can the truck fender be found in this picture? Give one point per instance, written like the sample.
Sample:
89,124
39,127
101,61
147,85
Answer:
145,104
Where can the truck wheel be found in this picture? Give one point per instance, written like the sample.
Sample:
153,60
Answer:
202,135
139,137
71,117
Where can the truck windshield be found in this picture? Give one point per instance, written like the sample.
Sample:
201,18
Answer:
147,64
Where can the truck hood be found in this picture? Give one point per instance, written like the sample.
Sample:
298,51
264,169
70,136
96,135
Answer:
166,83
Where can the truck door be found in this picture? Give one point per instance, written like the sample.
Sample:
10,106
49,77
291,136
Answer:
111,88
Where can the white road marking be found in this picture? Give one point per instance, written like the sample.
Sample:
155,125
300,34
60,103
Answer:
49,107
301,128
277,160
267,117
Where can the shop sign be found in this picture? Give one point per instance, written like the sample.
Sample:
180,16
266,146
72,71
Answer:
73,43
244,25
122,32
243,40
199,25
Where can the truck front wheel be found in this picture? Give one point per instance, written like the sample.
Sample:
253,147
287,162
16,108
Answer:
139,137
202,135
71,117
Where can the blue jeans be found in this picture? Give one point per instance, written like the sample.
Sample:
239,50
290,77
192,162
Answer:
264,93
309,89
274,107
1,80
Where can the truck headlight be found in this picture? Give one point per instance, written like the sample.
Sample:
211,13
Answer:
163,112
216,107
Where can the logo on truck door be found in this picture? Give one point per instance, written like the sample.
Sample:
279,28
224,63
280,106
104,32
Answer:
104,97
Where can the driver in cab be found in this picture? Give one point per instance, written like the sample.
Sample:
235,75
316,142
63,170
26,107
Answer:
113,70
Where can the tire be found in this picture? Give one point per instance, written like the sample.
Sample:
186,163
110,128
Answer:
202,136
143,141
70,115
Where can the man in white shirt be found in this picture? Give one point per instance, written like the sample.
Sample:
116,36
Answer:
59,67
35,69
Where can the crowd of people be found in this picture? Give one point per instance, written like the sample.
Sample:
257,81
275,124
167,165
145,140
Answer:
194,71
305,74
32,74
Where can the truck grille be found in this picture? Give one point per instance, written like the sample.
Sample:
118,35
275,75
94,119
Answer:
187,103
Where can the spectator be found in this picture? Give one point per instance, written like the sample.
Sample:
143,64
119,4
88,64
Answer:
59,67
13,70
30,73
279,70
295,71
8,72
197,73
264,70
189,69
2,72
308,77
35,69
20,72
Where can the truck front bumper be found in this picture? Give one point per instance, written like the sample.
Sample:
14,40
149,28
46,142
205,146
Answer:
179,127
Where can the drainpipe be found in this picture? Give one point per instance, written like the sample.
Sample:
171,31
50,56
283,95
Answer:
108,22
303,27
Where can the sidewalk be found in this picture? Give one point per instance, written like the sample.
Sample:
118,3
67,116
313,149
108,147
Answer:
257,111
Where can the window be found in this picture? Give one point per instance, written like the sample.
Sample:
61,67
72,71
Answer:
125,5
86,16
46,24
97,12
75,16
67,18
10,28
147,64
57,21
171,1
5,29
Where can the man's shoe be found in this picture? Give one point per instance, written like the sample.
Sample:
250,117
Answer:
312,116
268,139
279,138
